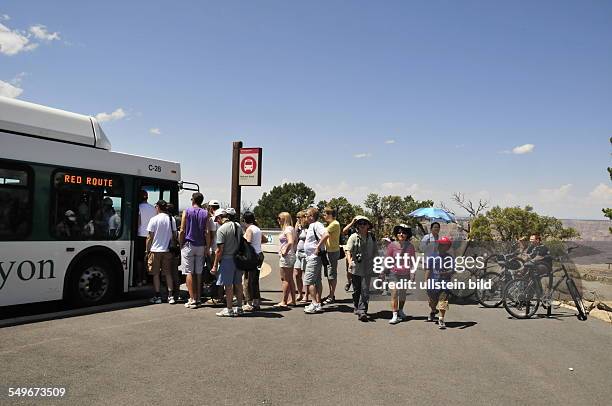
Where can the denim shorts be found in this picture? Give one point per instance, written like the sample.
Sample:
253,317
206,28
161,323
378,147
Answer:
228,274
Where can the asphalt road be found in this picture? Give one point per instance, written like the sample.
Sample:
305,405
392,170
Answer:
163,354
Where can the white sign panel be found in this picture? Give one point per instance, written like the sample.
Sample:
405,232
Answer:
249,167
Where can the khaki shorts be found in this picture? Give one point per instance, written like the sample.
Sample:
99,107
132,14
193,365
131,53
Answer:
159,262
438,298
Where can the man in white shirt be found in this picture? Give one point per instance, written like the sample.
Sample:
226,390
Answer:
162,230
145,213
316,236
429,244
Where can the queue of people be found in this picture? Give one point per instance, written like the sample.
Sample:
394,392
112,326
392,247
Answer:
209,238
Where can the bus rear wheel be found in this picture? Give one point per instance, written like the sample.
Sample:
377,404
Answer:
91,283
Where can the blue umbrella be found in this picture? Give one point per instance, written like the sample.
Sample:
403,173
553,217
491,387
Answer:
433,214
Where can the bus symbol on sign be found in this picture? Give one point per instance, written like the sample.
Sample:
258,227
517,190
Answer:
248,165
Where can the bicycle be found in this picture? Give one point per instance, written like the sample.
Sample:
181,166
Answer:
509,264
523,296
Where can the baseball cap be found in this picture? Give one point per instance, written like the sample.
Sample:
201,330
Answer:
70,215
445,240
219,213
214,203
230,211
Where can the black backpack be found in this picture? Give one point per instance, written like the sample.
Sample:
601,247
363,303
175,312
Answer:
246,259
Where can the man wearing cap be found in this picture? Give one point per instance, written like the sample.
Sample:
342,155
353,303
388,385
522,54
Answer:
440,268
213,225
360,252
161,229
229,235
68,228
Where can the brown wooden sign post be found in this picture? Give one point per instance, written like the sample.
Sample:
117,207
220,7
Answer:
246,171
236,191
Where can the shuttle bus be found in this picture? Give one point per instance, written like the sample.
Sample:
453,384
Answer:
69,206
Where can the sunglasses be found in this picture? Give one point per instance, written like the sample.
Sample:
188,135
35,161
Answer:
403,232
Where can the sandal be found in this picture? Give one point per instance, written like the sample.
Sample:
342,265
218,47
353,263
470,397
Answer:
280,306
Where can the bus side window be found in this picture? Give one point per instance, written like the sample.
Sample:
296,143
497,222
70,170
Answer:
86,209
15,202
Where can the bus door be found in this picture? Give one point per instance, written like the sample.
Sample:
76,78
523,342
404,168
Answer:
156,190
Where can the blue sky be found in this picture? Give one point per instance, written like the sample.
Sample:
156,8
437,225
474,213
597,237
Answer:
350,97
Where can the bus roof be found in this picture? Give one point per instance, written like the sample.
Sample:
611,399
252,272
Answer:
38,134
39,121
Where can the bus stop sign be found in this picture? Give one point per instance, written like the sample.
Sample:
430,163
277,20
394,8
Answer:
249,167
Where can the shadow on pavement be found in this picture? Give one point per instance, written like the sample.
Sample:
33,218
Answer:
460,324
263,314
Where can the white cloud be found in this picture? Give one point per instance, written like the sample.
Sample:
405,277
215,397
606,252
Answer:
40,32
523,149
602,193
115,115
400,188
390,142
362,155
8,90
12,41
155,131
554,195
5,17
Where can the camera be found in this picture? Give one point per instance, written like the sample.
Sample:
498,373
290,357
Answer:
358,257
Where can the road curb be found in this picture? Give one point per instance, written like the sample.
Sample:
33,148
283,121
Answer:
37,318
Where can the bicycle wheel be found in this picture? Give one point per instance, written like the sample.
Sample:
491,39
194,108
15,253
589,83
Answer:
573,290
464,277
491,297
520,298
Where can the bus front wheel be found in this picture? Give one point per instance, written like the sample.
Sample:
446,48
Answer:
91,283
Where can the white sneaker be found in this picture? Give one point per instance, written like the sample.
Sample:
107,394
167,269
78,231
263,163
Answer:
318,308
402,315
238,311
394,319
441,324
226,312
311,308
189,302
171,300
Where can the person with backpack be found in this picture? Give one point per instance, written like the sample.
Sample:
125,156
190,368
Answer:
360,251
229,236
253,236
400,272
162,232
287,240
